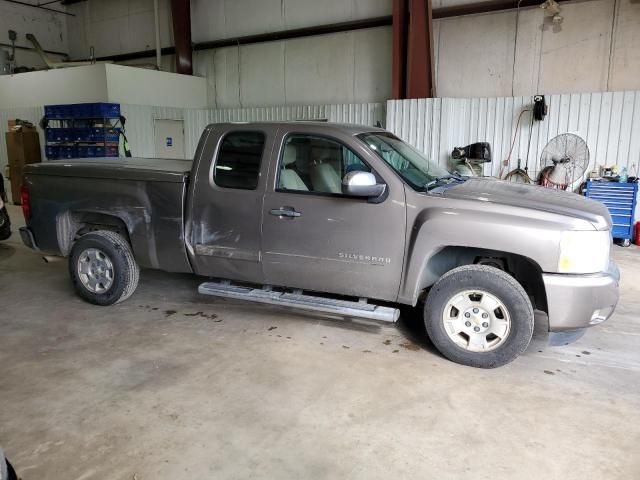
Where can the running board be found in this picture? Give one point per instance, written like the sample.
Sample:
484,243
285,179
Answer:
345,308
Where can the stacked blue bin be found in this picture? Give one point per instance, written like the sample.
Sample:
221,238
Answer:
82,130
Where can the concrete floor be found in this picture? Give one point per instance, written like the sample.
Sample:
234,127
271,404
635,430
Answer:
171,385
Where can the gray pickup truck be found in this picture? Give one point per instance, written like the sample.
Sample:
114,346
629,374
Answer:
340,219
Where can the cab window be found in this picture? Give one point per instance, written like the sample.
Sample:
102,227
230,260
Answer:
316,165
238,162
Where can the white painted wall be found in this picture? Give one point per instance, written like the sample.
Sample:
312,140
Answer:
49,28
102,83
351,67
218,19
45,87
595,48
346,67
117,26
139,86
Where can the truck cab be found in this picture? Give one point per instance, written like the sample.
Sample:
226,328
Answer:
270,209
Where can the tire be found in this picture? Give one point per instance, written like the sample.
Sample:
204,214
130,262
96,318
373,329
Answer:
5,224
96,254
475,290
11,473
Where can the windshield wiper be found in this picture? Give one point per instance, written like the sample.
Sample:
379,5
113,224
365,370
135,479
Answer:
444,180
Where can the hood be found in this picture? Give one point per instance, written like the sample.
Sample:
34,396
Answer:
532,196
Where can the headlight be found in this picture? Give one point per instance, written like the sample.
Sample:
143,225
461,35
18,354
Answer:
584,252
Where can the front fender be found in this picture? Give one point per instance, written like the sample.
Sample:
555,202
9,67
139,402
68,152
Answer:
438,227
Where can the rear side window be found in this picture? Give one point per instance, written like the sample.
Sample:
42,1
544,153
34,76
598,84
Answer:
238,162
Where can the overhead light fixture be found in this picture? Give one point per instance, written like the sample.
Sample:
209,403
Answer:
553,9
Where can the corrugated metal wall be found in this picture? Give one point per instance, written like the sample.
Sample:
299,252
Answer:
140,120
359,113
609,122
140,126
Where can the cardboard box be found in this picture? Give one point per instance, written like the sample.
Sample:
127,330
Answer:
23,147
15,127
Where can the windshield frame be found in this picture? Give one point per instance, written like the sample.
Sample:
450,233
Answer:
438,170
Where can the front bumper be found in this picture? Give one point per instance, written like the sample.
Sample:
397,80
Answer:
580,301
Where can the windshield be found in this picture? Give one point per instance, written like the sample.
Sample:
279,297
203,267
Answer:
409,163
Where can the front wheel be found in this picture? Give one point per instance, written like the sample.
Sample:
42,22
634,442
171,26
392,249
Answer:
479,316
102,268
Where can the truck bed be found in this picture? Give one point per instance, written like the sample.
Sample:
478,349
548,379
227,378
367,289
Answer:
145,169
142,196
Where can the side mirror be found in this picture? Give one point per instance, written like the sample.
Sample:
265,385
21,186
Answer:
362,184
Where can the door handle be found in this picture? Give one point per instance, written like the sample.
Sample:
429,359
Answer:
285,212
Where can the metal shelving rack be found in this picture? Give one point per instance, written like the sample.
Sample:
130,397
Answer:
82,130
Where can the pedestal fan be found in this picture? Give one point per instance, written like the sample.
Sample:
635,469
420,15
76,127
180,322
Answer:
564,162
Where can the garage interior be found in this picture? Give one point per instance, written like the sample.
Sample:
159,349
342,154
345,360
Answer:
174,384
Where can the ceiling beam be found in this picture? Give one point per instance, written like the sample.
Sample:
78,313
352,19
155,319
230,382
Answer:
484,7
33,5
387,20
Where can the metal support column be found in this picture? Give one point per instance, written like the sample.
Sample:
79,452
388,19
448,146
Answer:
420,50
181,15
399,47
412,75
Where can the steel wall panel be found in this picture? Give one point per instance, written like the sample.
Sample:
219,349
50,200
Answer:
609,122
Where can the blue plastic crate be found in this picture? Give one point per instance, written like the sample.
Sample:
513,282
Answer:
83,110
91,151
83,151
106,151
105,110
52,152
111,151
68,152
56,111
107,134
80,110
59,135
80,134
55,134
86,151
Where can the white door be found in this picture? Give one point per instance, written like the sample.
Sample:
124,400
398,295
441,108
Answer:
169,138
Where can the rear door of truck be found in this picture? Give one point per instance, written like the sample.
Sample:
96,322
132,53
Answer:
225,202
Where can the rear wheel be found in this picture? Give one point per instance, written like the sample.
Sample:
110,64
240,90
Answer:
5,223
102,268
479,316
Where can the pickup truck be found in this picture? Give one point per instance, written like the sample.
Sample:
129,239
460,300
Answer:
341,219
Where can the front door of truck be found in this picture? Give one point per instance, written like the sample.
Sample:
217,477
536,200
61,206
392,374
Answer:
225,204
316,238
